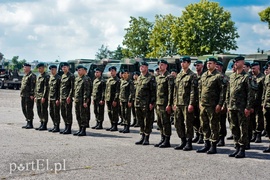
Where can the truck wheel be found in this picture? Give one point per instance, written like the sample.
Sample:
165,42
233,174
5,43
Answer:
10,86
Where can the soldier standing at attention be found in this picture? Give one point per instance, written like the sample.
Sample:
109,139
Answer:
66,95
135,122
112,98
27,95
212,92
239,100
126,96
145,98
246,67
164,101
98,95
81,99
54,98
184,102
41,96
89,98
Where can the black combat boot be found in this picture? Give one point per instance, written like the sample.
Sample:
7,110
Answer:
94,127
196,138
82,132
254,135
258,137
99,125
241,153
221,141
41,124
114,128
24,127
200,141
50,130
267,150
161,141
237,148
141,140
76,133
44,127
205,148
127,129
68,131
166,142
30,125
61,132
125,126
108,129
248,146
56,128
146,140
182,145
213,148
188,146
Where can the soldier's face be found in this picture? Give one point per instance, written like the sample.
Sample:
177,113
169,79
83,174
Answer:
211,65
135,76
219,68
266,71
143,69
173,74
97,74
53,71
185,64
255,70
113,73
26,69
125,75
239,65
246,68
65,69
41,69
80,72
199,67
162,67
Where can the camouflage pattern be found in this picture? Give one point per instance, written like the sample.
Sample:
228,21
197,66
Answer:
196,122
223,113
98,94
135,82
184,95
266,103
89,99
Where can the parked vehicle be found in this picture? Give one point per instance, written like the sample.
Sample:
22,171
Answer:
10,79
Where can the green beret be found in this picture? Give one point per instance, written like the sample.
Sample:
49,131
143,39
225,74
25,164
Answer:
151,70
27,64
238,58
112,68
125,70
40,65
98,69
254,64
247,64
81,67
64,64
185,58
137,73
198,62
220,63
162,61
144,63
53,66
212,59
157,69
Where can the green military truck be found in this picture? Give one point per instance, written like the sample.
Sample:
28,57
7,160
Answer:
10,79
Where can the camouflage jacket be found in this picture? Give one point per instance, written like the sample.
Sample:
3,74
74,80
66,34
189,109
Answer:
98,92
126,91
266,92
90,87
258,80
67,86
112,89
42,86
28,85
81,89
54,85
165,85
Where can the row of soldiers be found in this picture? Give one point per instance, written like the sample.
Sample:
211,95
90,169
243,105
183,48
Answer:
199,101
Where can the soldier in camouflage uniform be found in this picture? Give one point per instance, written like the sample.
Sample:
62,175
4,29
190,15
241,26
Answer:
27,95
66,95
266,107
54,98
212,91
164,101
135,122
89,98
145,98
98,95
184,102
239,100
81,99
126,97
41,96
112,98
256,125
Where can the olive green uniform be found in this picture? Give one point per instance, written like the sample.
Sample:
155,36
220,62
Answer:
135,122
28,89
184,95
89,100
98,94
54,95
223,113
112,94
144,96
212,92
42,91
66,90
164,98
266,103
196,122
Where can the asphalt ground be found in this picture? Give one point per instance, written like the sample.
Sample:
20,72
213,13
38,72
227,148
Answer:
31,154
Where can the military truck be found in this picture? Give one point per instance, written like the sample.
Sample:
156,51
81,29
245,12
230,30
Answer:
10,79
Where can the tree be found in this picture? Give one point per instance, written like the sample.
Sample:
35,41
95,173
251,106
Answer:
265,16
103,52
16,63
136,38
118,53
161,42
205,27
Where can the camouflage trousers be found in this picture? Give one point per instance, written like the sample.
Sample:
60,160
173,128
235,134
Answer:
145,120
183,122
42,110
99,111
113,112
163,121
125,113
27,105
197,122
133,111
55,112
81,113
256,120
66,111
210,123
222,124
239,127
88,115
266,113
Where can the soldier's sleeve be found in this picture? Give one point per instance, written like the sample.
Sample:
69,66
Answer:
103,87
175,93
117,91
86,88
251,90
227,94
46,87
132,92
222,83
153,89
263,94
72,80
170,90
35,90
33,80
199,89
58,82
194,85
90,88
261,86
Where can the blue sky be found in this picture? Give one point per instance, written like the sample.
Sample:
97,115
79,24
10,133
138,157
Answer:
47,30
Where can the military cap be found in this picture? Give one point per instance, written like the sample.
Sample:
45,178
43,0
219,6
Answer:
198,62
40,65
267,63
144,63
53,66
81,67
220,63
65,64
27,64
212,59
162,61
247,64
239,58
97,69
112,67
124,70
137,73
265,67
157,69
185,58
254,64
151,70
173,70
